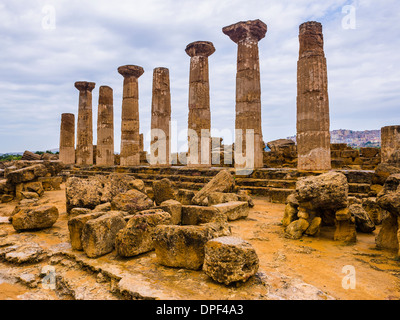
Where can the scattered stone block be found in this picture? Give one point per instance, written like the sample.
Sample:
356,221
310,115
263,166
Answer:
35,218
138,185
376,213
104,207
181,246
195,215
222,182
90,192
174,208
233,210
220,197
163,191
296,229
362,219
230,259
131,201
314,227
51,183
26,174
98,235
289,215
185,196
136,237
75,227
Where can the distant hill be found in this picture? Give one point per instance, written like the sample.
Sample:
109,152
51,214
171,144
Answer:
20,153
355,139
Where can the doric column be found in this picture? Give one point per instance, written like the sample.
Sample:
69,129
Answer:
130,153
105,128
199,122
67,138
390,145
247,34
313,137
160,118
84,145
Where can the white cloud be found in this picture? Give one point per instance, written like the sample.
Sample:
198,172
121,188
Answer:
92,39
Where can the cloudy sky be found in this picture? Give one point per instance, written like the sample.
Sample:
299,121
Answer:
48,45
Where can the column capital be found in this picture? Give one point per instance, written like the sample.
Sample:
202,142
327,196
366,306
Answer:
85,86
130,71
200,48
246,30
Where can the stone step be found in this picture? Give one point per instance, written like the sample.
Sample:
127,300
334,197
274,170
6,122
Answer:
275,184
276,195
285,184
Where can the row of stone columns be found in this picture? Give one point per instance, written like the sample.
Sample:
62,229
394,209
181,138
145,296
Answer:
313,135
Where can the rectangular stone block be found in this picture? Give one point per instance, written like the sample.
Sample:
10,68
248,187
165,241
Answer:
234,210
181,246
195,215
75,227
98,235
137,236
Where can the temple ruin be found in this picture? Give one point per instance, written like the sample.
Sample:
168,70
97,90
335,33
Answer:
138,226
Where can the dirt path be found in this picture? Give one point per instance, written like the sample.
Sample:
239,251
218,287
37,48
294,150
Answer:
310,268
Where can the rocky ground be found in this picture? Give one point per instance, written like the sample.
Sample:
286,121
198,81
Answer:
41,265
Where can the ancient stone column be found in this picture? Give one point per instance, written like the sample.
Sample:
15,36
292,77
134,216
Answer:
247,34
199,122
160,118
390,145
84,145
105,128
130,153
67,138
313,137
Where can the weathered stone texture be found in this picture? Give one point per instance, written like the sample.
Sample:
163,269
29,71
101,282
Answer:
137,236
130,148
105,128
313,137
35,218
248,90
98,235
230,259
199,122
67,138
84,145
390,145
160,118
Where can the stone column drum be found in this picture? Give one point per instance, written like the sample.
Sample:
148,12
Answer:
390,145
67,138
199,121
161,114
130,153
247,34
313,137
84,144
105,128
